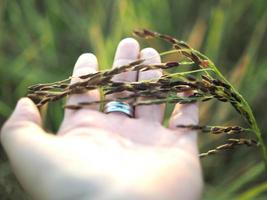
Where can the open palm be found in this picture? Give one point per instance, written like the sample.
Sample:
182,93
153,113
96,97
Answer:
106,156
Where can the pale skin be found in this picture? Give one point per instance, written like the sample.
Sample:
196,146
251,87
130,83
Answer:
106,156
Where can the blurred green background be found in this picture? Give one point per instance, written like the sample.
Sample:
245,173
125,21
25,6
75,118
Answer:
40,41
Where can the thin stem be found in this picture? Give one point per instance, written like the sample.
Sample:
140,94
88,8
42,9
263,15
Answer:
188,72
246,106
174,51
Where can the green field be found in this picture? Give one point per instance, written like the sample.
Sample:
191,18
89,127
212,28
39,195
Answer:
40,41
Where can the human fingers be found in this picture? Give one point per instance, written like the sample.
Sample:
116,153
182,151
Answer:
150,112
86,64
26,143
185,114
24,124
127,51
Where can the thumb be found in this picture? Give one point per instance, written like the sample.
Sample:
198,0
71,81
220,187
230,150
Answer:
23,125
26,144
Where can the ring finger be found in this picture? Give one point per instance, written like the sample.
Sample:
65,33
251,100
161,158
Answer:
127,51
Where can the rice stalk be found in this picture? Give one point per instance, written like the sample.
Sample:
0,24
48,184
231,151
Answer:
240,104
205,83
231,144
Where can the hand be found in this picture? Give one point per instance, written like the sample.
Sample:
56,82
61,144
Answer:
106,156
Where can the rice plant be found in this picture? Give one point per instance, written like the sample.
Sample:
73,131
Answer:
211,85
40,41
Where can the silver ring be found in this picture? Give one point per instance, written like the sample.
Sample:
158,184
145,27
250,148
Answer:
117,106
